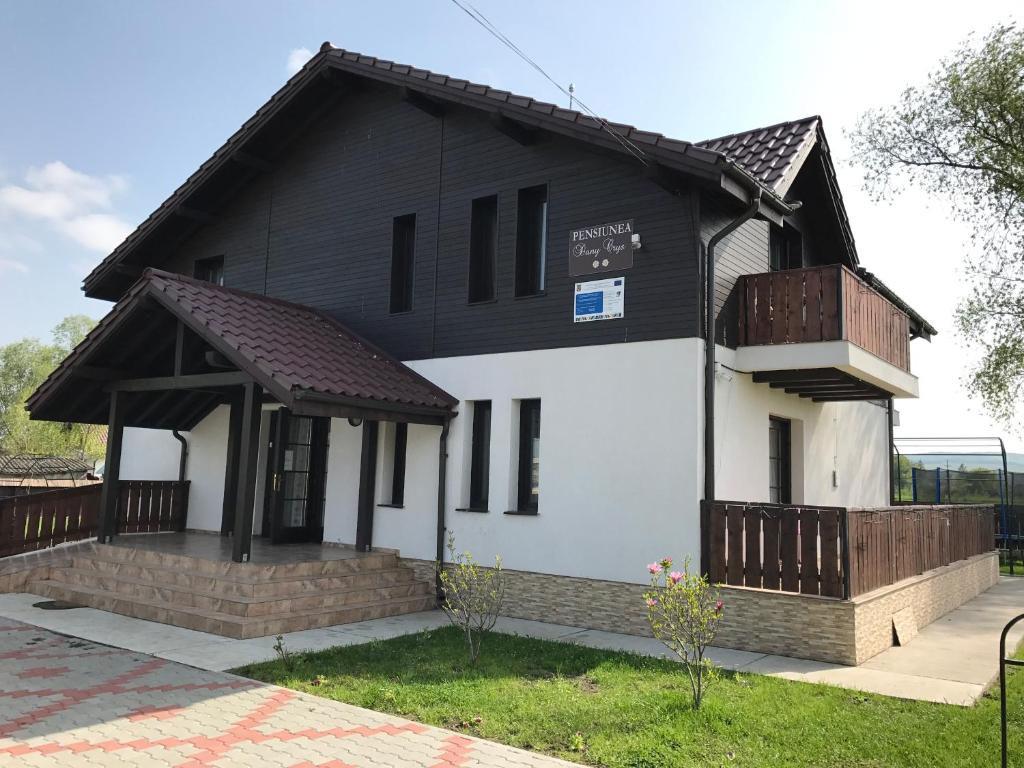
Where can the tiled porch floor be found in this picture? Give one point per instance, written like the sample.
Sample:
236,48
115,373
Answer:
212,546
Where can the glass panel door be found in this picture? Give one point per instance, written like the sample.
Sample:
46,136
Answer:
299,456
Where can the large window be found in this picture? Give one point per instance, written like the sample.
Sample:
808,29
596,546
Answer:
780,465
403,252
480,462
785,248
483,248
529,455
209,270
531,240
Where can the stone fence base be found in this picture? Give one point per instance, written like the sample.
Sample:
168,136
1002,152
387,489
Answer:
758,620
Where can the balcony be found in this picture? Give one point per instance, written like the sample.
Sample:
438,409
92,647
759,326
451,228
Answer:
823,333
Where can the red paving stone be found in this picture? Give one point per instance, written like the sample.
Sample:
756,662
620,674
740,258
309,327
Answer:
68,702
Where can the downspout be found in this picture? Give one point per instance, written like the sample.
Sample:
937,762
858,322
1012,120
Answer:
183,460
709,343
442,476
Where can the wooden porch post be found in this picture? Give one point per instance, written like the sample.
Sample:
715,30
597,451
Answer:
367,481
112,469
227,520
245,494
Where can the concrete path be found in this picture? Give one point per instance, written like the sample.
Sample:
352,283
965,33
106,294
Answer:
951,661
70,702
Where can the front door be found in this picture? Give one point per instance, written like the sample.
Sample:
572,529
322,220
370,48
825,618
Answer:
296,475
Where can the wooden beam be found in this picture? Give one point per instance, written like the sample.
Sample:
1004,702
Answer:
245,496
807,374
179,347
192,381
367,482
515,130
851,397
796,383
112,469
422,102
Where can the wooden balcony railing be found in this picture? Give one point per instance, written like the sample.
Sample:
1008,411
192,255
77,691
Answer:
40,520
837,552
822,304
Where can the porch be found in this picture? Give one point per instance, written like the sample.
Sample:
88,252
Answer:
174,350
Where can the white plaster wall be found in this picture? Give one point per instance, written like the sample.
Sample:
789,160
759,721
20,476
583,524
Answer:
207,463
849,437
620,467
411,529
342,495
150,454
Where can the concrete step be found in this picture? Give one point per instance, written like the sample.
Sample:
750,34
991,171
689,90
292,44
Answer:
258,583
379,585
358,562
225,624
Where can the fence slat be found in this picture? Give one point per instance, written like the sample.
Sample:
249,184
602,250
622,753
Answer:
752,547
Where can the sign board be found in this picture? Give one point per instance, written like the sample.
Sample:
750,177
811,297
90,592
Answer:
599,300
601,248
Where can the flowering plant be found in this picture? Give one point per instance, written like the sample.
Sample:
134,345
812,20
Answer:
684,610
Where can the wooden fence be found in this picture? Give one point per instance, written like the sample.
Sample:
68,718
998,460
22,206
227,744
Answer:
835,552
822,304
42,520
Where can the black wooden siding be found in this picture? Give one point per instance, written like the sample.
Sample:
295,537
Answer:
330,201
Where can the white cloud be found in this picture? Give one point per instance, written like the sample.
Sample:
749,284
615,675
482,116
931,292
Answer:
75,204
297,58
12,265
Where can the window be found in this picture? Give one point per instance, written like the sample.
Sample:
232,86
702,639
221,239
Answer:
209,270
403,250
483,248
780,468
785,248
531,240
398,464
529,455
480,462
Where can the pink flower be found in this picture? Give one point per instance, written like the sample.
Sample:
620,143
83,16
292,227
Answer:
654,567
718,606
666,563
675,577
651,602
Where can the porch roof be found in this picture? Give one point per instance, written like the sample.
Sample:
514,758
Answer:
302,357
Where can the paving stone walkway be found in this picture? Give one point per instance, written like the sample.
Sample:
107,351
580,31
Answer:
65,701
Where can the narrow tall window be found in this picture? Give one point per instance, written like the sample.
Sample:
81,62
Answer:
780,466
785,248
480,466
483,248
531,240
209,270
403,251
529,455
398,464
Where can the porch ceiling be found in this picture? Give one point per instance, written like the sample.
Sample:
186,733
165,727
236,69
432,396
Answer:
178,347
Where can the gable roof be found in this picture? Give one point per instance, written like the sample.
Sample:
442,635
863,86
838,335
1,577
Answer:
296,353
41,465
317,85
773,155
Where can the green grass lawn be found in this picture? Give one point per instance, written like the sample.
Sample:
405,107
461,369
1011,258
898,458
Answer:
617,709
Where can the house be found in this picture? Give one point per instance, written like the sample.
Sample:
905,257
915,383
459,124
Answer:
396,305
23,473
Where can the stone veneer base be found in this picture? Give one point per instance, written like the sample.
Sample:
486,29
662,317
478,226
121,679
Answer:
758,620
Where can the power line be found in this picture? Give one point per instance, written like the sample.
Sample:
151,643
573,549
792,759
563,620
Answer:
486,23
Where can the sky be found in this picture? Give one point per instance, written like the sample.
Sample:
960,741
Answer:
108,106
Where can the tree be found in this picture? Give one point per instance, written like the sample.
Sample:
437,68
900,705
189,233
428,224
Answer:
23,367
961,137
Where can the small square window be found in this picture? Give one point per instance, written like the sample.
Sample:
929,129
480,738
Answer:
209,270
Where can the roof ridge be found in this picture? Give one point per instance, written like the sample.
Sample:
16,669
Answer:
779,124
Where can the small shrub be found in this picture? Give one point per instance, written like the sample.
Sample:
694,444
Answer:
683,610
284,654
472,596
